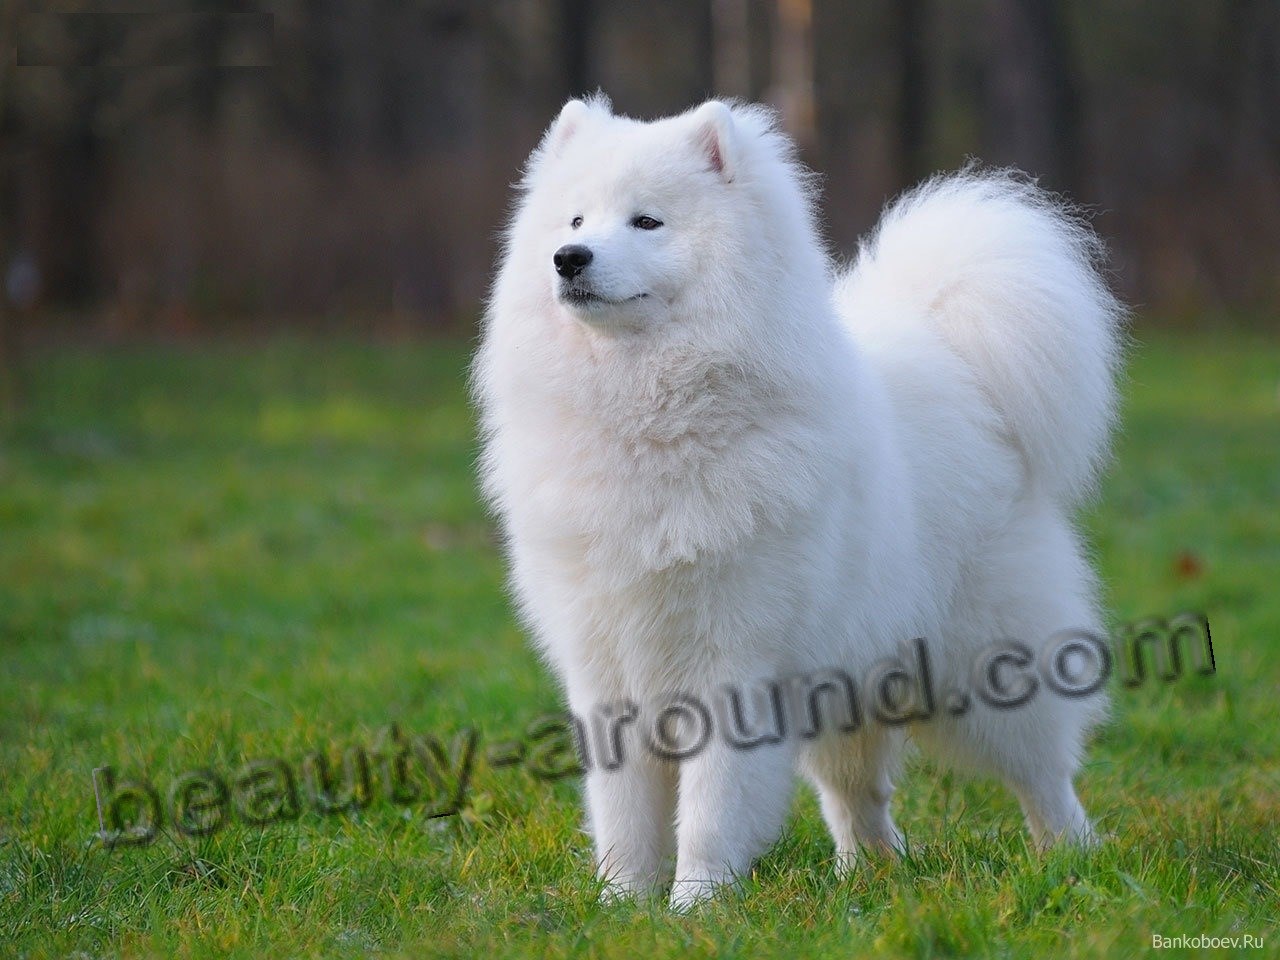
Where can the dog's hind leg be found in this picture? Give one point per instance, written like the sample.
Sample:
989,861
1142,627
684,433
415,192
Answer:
853,774
1054,812
1023,645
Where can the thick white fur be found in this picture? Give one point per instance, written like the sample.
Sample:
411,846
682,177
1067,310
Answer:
737,467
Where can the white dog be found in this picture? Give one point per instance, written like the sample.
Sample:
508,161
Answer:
720,463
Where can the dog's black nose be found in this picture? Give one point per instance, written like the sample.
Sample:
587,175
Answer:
571,260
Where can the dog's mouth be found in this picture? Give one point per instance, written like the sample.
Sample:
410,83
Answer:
578,296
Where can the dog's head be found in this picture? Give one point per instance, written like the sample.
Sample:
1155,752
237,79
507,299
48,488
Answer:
630,223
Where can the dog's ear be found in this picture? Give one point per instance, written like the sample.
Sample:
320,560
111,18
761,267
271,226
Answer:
715,136
573,116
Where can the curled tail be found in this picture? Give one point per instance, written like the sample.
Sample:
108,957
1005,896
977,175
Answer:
1010,279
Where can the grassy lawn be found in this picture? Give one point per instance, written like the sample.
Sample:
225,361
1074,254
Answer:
215,555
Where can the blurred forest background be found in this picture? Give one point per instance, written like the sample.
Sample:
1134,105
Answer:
346,166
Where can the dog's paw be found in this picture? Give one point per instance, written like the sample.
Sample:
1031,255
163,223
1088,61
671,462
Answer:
613,893
687,892
615,889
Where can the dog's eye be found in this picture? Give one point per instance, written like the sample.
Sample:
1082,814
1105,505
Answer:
646,222
576,222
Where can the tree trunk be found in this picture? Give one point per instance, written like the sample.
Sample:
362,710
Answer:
1033,99
731,47
10,365
577,20
913,92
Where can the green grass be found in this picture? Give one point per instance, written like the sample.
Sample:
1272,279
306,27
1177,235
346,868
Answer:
219,554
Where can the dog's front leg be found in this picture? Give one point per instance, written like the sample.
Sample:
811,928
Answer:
632,813
732,805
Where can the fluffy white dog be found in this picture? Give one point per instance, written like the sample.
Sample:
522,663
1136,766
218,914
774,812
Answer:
721,463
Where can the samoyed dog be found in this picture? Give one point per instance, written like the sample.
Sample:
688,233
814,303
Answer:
721,462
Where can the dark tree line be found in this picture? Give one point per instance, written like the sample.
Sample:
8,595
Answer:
302,158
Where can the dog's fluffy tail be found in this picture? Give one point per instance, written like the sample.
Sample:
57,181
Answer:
1010,279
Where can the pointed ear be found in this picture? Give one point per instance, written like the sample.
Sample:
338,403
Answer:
714,135
573,116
